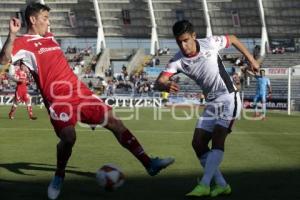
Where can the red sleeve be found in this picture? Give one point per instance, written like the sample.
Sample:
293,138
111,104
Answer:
227,41
168,74
17,46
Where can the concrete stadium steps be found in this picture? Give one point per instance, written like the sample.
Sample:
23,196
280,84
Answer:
282,60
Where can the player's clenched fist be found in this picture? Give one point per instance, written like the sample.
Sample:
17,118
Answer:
254,65
172,87
14,25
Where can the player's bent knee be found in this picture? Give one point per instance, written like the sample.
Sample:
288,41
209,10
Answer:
218,144
197,145
200,148
71,140
68,135
194,144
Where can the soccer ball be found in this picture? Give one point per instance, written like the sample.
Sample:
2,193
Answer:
110,177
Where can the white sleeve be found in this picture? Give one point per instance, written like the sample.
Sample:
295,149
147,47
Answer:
12,73
171,68
12,70
219,42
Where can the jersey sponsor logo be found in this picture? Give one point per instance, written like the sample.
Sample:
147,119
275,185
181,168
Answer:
45,50
36,44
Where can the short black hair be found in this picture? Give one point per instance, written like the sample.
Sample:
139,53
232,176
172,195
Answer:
262,70
33,9
181,27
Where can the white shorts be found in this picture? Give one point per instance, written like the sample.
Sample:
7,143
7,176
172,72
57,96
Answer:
222,111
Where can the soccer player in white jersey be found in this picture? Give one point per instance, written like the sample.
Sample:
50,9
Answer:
199,60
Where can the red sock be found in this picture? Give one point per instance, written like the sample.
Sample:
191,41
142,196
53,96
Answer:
64,152
128,141
12,111
29,110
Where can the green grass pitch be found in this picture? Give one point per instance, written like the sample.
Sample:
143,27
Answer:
262,158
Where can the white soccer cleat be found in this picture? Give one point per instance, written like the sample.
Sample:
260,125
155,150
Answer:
54,187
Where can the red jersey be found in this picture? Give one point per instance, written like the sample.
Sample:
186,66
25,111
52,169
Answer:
21,78
49,67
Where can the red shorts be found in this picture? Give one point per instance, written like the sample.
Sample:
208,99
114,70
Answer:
90,111
22,96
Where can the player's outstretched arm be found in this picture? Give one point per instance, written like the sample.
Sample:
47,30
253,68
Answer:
163,83
14,27
254,64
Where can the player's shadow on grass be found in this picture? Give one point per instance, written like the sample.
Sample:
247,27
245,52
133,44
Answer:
19,167
247,185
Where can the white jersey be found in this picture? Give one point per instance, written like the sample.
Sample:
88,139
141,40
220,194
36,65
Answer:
206,68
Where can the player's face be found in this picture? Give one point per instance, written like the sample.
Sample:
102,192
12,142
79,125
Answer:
22,67
262,73
187,43
41,23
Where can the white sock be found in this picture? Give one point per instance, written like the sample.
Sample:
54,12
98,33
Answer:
213,160
264,107
218,177
256,108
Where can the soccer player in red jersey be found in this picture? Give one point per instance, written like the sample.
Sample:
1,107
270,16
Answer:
21,94
66,98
